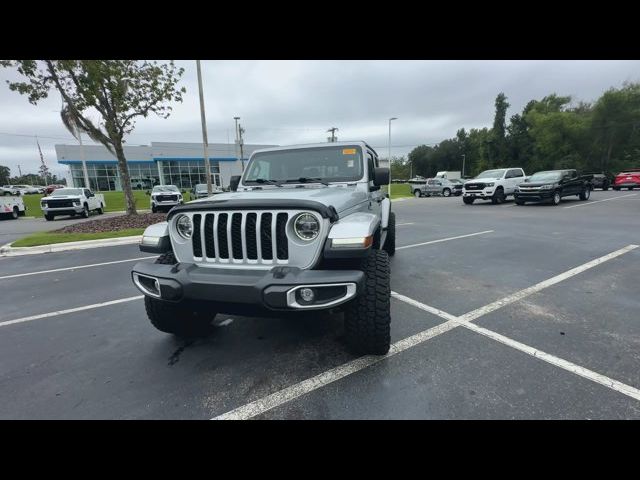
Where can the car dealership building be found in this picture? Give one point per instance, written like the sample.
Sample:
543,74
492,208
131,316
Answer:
161,163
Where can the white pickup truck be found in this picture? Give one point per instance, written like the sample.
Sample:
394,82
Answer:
72,201
11,206
495,185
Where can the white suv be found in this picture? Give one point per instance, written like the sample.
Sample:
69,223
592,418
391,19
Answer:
495,185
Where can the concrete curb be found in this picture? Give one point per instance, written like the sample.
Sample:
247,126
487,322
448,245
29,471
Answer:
9,251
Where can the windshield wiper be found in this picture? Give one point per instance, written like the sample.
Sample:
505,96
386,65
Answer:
306,180
268,182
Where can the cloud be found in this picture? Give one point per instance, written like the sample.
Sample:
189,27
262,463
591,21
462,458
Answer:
288,102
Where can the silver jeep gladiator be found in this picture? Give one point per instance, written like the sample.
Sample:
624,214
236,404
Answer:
305,228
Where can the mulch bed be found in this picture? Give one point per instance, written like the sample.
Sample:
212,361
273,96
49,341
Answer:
112,224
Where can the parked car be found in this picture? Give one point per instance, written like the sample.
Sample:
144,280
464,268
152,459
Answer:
10,190
495,185
601,180
438,186
553,185
200,190
50,188
165,197
11,206
72,201
16,189
628,179
280,245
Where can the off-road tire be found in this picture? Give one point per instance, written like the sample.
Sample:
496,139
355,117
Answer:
85,211
468,200
49,217
498,196
585,194
180,319
367,319
390,242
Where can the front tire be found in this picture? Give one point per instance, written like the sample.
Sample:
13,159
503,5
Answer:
468,200
181,318
154,209
48,217
446,192
417,193
367,319
390,242
519,202
498,197
555,200
85,211
15,213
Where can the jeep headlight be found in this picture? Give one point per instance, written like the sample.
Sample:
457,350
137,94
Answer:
306,226
184,226
546,187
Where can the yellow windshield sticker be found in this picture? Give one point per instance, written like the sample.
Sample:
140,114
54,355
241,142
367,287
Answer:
348,151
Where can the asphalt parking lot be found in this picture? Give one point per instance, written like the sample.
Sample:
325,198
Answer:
499,312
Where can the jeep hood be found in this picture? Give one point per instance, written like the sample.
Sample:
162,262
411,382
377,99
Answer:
339,197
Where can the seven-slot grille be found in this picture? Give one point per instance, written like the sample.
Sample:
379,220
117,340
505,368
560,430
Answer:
239,237
62,203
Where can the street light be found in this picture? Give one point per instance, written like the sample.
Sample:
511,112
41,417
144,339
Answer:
389,188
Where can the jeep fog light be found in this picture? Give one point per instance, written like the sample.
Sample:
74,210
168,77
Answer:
306,226
357,242
184,226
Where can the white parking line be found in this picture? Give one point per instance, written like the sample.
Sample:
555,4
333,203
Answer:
444,240
75,268
292,392
598,201
70,310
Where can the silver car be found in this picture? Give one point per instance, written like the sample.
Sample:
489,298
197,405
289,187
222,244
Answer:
439,186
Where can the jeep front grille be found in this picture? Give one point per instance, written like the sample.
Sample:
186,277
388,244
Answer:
241,236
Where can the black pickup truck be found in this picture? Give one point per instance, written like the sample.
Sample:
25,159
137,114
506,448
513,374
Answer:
551,185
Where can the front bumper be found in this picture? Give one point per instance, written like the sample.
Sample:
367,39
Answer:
277,289
539,196
486,193
64,210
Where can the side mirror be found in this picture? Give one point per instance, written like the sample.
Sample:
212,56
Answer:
381,176
234,182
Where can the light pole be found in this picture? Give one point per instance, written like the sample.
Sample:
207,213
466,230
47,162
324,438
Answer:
205,141
390,120
238,155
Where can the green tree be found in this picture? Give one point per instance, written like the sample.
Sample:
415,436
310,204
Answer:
119,91
498,143
5,173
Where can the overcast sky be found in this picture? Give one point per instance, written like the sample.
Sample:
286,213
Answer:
289,102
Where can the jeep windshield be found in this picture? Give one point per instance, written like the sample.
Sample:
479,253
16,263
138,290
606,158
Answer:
491,174
545,177
61,192
306,165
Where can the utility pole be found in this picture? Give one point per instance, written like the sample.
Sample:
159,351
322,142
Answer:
241,131
333,134
389,187
205,141
238,156
84,161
